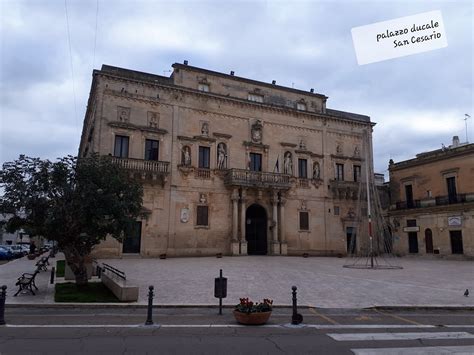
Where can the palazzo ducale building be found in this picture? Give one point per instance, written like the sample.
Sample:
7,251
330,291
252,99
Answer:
229,165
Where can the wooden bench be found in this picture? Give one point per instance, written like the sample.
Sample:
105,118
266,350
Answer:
26,282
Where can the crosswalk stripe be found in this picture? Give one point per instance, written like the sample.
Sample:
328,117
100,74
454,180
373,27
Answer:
427,350
399,336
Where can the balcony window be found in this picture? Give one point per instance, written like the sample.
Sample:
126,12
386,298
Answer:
357,173
452,194
409,196
203,87
255,98
304,221
301,106
303,168
151,149
340,172
255,162
202,216
204,157
121,146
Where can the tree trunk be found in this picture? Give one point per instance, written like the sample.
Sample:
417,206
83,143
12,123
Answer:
77,263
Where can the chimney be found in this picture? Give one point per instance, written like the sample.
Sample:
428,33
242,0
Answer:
232,72
274,82
185,62
455,141
312,90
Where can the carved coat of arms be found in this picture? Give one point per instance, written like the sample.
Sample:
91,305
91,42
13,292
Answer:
257,132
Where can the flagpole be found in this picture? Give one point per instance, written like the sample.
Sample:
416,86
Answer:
371,252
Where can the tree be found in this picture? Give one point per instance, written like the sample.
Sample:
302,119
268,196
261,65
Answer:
75,202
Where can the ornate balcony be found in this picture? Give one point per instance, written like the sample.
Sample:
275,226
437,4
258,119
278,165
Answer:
257,179
345,190
148,169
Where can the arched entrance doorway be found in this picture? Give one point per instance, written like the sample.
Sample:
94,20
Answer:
256,230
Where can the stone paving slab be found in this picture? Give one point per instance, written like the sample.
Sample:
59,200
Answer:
321,282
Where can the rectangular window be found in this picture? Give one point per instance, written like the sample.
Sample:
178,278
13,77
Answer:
151,149
409,196
340,172
336,210
411,222
121,147
301,106
202,216
303,168
255,98
255,162
357,172
304,221
203,87
452,194
204,157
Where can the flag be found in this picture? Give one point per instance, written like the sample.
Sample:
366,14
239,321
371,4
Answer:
277,165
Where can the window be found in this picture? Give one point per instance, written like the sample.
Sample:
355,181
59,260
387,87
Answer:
121,146
340,172
452,195
204,157
203,87
357,172
151,149
255,162
409,196
304,221
336,210
411,222
202,216
303,168
255,98
301,106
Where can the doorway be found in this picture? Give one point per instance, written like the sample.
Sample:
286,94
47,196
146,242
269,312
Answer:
429,241
132,239
456,242
351,240
413,242
256,230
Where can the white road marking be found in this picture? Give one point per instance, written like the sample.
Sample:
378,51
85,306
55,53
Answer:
399,336
427,350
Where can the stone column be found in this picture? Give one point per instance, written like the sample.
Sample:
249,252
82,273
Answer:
243,241
235,245
283,244
275,245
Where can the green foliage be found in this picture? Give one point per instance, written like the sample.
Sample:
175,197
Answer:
247,306
60,268
74,202
92,292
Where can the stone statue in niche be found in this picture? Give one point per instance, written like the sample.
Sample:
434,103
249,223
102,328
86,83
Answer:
184,215
316,171
205,129
302,145
356,151
256,132
123,114
221,156
186,156
339,149
202,198
288,164
303,205
153,119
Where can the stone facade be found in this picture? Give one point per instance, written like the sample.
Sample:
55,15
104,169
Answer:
432,202
229,165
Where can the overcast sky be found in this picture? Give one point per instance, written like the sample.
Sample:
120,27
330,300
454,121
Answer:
417,101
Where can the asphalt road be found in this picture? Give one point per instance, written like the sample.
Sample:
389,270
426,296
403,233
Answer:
202,331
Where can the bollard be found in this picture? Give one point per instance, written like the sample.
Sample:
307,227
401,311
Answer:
53,270
296,318
149,319
220,289
98,271
3,296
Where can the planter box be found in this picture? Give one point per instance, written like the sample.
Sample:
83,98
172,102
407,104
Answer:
257,318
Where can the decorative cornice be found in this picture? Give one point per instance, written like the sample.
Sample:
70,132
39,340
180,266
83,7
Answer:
184,138
204,139
222,135
343,157
291,145
131,126
255,145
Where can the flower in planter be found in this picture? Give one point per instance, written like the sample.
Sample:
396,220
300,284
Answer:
247,306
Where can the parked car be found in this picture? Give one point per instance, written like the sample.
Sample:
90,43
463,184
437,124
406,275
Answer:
26,248
14,252
5,254
19,249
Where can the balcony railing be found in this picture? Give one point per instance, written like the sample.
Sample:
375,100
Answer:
435,201
346,190
242,177
203,173
143,166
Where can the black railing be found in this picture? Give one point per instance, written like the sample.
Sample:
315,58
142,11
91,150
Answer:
107,267
433,201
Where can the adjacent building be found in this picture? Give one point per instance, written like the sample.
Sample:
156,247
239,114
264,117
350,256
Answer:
432,195
229,165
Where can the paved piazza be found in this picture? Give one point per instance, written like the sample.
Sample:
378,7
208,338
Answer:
321,282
